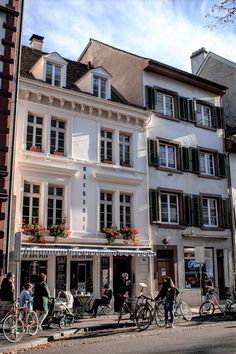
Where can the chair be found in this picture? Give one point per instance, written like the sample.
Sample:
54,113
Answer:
103,310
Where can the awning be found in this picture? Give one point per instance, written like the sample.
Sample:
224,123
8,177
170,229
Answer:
75,251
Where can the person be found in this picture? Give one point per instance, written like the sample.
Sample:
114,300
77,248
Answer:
106,296
26,296
168,292
7,292
41,299
207,285
125,285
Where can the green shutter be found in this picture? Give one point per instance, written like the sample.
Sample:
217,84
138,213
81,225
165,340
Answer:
150,97
221,159
152,152
196,211
183,108
219,117
153,206
191,111
194,160
187,210
226,214
185,158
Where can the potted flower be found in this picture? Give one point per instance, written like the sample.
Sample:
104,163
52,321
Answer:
109,161
36,231
59,153
59,230
130,235
111,233
35,148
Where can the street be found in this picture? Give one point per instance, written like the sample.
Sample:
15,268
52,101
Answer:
199,338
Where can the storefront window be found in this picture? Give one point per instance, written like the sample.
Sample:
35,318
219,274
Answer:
30,271
193,268
81,279
105,278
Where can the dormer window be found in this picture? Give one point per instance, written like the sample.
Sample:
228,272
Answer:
99,87
53,74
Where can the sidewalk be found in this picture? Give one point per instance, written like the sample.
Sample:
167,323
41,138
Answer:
81,328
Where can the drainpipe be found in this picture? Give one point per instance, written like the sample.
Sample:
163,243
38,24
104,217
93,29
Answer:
12,154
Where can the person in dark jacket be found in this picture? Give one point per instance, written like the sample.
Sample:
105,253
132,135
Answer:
41,299
105,299
168,292
7,292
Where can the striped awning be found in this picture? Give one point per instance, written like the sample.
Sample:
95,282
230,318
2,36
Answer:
75,251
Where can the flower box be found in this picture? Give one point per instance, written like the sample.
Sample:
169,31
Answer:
35,149
36,232
59,230
59,153
107,161
111,233
130,235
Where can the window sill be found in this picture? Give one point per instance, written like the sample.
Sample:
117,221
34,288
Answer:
169,170
209,176
34,149
171,226
205,127
58,153
213,228
109,162
167,117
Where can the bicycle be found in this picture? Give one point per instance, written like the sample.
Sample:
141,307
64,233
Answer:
208,307
29,319
12,325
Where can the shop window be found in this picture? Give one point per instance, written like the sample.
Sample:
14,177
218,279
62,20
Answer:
81,279
30,271
195,270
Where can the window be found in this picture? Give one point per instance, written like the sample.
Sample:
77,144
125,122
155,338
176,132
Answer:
105,209
124,150
207,163
106,146
125,210
167,156
53,74
165,104
169,208
203,116
34,132
55,205
192,268
31,203
57,140
210,217
99,87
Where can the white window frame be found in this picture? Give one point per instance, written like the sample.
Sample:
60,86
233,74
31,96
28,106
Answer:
212,205
58,130
35,126
203,115
31,195
163,109
207,163
122,147
106,202
53,77
169,195
100,93
166,156
55,197
106,140
124,204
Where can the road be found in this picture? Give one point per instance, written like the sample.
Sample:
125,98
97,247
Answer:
209,338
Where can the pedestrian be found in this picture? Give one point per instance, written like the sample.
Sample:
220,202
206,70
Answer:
105,299
26,296
169,293
41,299
125,285
207,285
7,292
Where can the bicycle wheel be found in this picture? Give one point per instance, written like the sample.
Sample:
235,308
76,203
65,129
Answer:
207,309
143,318
32,323
63,322
13,328
232,309
185,311
159,315
123,311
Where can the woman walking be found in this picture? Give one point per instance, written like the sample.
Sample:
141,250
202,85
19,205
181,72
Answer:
41,299
168,292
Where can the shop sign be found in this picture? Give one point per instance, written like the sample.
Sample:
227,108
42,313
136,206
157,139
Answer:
192,264
60,274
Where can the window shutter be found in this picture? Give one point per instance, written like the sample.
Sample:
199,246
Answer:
153,206
187,210
219,117
194,160
221,159
152,152
196,211
185,158
191,111
226,214
183,108
150,97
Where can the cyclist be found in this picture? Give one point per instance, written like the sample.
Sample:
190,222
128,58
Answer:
168,292
26,297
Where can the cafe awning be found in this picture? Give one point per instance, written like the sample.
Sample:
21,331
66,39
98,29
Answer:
75,251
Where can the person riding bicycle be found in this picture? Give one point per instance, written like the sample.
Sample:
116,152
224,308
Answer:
169,293
26,296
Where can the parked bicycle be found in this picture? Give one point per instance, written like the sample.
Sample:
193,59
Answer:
12,325
208,307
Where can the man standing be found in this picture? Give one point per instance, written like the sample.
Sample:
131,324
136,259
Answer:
7,292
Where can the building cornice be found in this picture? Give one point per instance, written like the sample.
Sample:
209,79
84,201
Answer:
78,102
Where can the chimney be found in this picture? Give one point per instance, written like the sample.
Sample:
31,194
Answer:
36,42
197,59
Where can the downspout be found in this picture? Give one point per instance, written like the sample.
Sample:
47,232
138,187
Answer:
12,154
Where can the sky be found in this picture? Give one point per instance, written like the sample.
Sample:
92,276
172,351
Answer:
164,30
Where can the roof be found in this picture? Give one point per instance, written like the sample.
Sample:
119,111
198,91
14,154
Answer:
216,57
75,71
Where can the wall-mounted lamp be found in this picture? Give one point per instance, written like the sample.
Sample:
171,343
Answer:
165,242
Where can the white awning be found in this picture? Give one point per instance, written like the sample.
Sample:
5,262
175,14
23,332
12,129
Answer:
74,251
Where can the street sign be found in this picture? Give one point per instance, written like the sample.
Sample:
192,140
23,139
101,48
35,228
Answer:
200,254
17,247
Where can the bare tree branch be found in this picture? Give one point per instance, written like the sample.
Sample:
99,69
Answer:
222,13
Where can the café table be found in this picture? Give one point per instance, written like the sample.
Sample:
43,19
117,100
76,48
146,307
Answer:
82,304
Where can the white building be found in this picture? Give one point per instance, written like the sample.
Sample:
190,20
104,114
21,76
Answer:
81,154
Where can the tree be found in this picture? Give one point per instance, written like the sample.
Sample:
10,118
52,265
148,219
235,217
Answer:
222,13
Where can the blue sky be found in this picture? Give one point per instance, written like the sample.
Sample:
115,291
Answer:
164,30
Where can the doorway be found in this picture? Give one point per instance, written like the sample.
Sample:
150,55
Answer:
121,264
164,267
